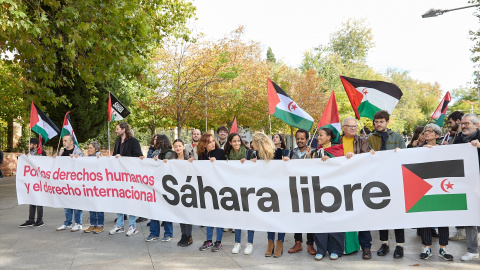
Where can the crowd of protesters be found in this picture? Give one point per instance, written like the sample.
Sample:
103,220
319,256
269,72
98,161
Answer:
462,129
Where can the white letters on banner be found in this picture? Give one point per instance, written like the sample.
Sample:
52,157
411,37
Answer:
410,188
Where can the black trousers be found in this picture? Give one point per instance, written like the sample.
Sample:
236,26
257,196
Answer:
331,242
31,213
399,235
426,234
298,237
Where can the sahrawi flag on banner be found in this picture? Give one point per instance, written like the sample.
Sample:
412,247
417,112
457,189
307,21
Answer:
441,111
283,107
330,118
41,124
369,97
438,194
116,110
67,128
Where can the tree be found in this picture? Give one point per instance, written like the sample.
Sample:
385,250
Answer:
186,71
271,56
62,47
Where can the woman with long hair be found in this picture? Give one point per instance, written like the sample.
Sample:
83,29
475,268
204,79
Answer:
265,150
417,138
182,154
279,142
209,149
235,150
163,151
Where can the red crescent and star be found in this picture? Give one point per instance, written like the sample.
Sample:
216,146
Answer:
448,185
292,106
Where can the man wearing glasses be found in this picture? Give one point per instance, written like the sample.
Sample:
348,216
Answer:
469,125
354,144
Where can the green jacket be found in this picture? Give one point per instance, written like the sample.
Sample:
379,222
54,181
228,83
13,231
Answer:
394,140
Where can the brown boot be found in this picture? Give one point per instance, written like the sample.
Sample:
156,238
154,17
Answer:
311,250
270,248
296,248
278,250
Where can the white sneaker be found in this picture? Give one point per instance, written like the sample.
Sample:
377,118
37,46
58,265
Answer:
248,249
469,256
64,227
117,230
76,227
132,231
458,235
236,248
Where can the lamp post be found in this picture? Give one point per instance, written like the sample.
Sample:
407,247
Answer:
436,12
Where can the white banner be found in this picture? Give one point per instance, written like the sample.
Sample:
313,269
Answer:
409,188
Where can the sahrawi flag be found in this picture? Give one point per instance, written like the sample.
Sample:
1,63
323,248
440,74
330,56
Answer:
116,110
283,107
441,111
67,128
369,97
330,118
41,124
430,186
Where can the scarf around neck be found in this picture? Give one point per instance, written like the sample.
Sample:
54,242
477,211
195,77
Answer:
242,152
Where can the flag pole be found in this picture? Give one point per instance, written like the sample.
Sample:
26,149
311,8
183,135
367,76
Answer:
108,131
310,143
363,128
58,147
270,123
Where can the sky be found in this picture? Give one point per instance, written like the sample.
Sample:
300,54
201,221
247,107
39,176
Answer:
432,49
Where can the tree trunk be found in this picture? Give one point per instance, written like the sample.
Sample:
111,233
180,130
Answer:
10,135
179,132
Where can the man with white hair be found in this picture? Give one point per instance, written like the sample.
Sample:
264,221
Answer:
354,144
470,133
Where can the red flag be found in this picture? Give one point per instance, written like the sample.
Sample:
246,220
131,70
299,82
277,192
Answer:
353,95
40,148
109,108
234,128
335,150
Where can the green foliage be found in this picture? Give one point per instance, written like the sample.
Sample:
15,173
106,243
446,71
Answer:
465,99
64,47
270,56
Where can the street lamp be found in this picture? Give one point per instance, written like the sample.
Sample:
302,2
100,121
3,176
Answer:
436,12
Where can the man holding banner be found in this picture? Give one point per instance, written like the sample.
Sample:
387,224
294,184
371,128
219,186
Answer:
385,139
470,133
71,150
352,145
127,146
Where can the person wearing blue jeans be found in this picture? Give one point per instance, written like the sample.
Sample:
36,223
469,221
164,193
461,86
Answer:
208,243
238,239
271,245
69,214
119,228
97,220
155,231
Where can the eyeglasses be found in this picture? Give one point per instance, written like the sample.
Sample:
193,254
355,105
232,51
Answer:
428,131
466,124
350,126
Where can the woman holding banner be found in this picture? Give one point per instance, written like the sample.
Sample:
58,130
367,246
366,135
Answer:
235,150
334,243
432,132
97,219
265,150
279,142
209,149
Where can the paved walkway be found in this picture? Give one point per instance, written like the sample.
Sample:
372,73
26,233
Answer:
45,248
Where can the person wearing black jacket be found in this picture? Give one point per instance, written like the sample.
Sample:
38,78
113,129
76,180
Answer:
33,147
127,146
209,149
470,134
